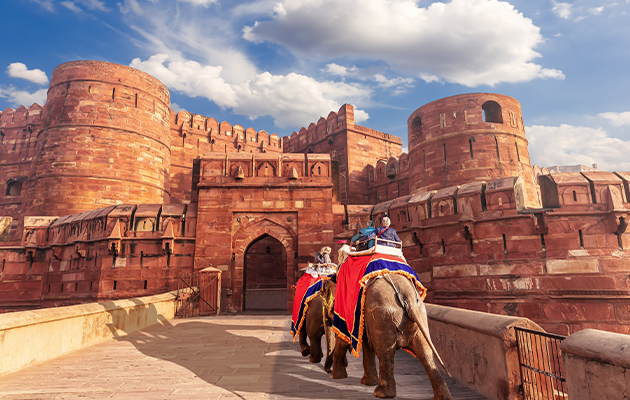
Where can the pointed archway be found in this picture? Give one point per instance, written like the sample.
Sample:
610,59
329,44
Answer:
266,230
265,275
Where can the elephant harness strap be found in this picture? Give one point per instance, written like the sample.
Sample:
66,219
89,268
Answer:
398,295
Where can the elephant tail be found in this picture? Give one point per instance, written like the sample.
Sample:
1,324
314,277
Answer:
419,316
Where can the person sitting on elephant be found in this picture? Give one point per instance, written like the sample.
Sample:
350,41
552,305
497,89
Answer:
368,233
386,232
323,256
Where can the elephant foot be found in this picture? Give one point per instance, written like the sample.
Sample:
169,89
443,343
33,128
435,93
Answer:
306,351
336,374
314,359
369,380
385,392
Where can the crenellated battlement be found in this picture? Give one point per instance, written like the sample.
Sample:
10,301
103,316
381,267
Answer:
208,127
23,116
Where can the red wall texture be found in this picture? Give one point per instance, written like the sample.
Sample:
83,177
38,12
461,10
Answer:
107,193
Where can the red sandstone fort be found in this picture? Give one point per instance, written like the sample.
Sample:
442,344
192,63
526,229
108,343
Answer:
111,194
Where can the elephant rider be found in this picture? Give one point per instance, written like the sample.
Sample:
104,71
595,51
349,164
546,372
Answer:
323,261
364,234
388,233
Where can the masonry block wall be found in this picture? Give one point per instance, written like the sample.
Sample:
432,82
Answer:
245,197
18,138
104,140
467,138
355,147
564,266
193,135
115,252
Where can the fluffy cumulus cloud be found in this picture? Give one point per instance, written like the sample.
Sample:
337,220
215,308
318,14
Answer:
570,145
397,85
290,99
470,42
18,97
19,70
617,119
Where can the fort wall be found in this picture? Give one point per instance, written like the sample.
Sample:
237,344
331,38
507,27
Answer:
564,266
467,138
105,140
355,147
193,135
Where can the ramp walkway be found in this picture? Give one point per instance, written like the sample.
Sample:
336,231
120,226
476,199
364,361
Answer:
228,357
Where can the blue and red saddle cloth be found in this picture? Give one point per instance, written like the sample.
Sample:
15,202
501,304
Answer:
352,277
306,289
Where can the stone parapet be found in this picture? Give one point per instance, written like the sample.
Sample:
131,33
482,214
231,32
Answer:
597,365
31,337
479,349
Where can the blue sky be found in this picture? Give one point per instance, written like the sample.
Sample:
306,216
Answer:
278,65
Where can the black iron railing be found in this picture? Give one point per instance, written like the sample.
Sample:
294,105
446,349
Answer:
542,369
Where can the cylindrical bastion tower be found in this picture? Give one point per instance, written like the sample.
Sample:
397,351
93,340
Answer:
105,140
467,138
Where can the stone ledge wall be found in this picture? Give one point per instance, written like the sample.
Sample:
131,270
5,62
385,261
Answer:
32,337
597,365
479,349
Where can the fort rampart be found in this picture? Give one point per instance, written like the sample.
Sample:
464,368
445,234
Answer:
110,194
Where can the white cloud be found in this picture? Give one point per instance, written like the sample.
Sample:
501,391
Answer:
617,119
21,97
596,10
562,10
339,70
46,4
292,99
360,116
71,6
203,3
19,70
428,78
131,5
570,145
175,107
471,42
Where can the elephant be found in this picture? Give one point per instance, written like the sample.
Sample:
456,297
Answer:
314,328
394,318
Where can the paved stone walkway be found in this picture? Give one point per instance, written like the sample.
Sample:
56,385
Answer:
233,357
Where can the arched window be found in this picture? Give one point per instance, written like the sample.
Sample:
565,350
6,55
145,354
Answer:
416,126
492,112
14,188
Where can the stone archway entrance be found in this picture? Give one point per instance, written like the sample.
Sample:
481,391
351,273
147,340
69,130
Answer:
265,275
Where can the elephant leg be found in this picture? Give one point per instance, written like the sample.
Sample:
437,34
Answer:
304,347
424,353
340,362
386,383
316,349
370,375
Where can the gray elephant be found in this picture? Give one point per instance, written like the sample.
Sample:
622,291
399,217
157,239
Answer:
314,327
394,318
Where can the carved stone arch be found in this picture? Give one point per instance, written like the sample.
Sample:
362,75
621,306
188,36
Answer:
319,169
258,221
248,235
266,169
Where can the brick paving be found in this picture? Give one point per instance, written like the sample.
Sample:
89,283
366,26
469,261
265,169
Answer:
233,357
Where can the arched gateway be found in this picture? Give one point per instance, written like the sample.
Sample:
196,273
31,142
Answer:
264,265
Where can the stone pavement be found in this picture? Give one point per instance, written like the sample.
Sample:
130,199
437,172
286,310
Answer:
233,357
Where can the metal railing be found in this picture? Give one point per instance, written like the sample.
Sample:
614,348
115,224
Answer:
542,369
198,294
